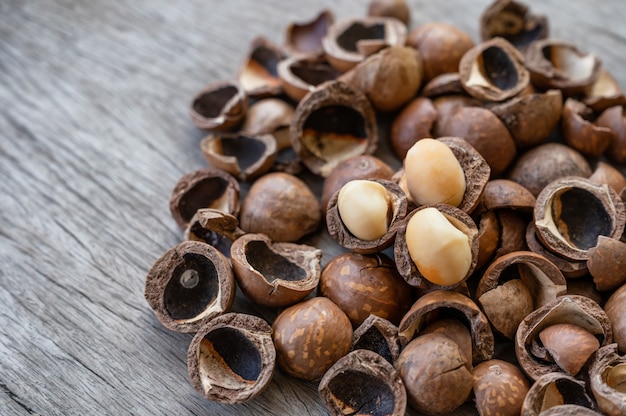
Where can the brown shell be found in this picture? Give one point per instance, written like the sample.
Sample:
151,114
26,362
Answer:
541,165
570,309
231,359
488,237
204,188
541,278
365,381
556,64
475,168
605,92
258,73
390,8
365,285
349,41
444,84
513,21
214,227
572,212
306,37
268,115
331,124
245,156
184,303
499,388
579,131
415,121
316,324
281,206
357,167
434,373
512,231
614,118
607,263
530,118
609,175
407,268
441,46
615,308
449,303
301,74
558,394
506,194
274,273
484,131
493,71
457,331
398,68
569,268
379,335
607,377
340,233
219,106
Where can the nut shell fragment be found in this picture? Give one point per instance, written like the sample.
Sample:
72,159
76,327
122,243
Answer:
231,359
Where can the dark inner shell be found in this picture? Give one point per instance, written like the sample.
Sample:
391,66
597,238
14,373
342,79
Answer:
335,122
526,36
580,218
237,351
356,32
188,294
498,68
211,103
202,195
313,74
374,340
246,150
362,393
271,264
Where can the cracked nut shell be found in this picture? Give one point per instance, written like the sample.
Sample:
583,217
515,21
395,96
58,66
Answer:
275,273
219,106
364,383
231,359
331,124
189,285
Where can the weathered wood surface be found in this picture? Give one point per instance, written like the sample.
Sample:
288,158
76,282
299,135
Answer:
93,136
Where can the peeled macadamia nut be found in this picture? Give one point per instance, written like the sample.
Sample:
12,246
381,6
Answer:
441,252
364,209
433,174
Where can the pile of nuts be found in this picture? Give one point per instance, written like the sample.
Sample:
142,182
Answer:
490,268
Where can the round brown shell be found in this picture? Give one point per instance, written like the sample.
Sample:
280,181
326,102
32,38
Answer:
579,131
446,303
274,273
189,285
258,73
578,310
572,212
379,335
306,37
607,377
331,124
231,359
558,394
204,188
219,106
513,21
493,71
363,382
301,74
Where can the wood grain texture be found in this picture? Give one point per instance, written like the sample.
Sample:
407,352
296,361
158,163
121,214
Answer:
94,134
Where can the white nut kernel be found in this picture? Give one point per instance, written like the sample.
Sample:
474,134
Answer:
433,174
364,209
441,252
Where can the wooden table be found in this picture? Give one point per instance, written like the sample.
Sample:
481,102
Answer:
94,135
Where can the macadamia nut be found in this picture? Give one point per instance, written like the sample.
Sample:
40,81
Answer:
433,174
441,252
364,208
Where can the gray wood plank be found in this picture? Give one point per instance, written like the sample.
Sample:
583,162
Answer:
94,135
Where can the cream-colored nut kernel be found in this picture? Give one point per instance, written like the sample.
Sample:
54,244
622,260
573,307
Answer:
364,209
433,174
441,252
